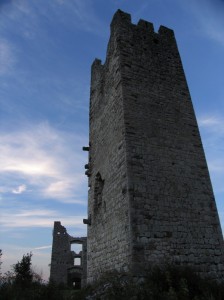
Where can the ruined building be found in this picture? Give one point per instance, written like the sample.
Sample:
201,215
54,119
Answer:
150,195
64,268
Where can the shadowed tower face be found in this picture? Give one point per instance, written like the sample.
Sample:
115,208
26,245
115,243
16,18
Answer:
150,196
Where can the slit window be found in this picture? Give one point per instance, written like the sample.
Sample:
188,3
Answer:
98,190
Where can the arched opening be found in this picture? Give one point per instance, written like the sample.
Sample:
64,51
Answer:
76,283
74,280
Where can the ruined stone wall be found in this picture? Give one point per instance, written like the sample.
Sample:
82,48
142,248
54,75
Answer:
63,269
84,263
154,201
61,258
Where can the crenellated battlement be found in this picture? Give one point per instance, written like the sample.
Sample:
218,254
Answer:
146,25
122,19
97,62
126,40
96,70
123,31
164,31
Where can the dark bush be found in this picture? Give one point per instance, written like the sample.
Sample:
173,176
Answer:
161,283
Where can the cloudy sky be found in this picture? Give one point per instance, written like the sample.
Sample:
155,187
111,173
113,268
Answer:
46,50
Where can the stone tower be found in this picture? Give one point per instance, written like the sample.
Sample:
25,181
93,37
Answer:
63,261
150,195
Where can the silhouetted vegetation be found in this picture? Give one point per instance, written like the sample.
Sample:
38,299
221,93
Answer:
22,283
0,261
161,283
23,272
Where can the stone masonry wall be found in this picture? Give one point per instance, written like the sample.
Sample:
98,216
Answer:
109,234
63,269
108,244
62,257
156,202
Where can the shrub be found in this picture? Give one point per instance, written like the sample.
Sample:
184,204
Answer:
161,283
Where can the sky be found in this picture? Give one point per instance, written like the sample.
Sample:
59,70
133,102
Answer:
46,51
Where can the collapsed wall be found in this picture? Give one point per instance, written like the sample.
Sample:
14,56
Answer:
64,269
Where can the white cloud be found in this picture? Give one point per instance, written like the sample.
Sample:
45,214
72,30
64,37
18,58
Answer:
17,8
7,58
210,121
20,189
212,131
37,218
217,166
58,187
43,247
213,124
23,6
35,213
24,15
49,160
209,16
64,190
81,14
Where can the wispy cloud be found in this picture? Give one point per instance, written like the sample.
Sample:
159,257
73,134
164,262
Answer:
37,218
212,123
4,3
217,166
16,11
209,16
46,161
82,15
212,131
20,189
35,213
7,57
21,5
43,247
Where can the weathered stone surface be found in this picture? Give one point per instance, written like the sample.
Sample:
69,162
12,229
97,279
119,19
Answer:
156,201
63,269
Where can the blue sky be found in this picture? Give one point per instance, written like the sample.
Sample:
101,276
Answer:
46,50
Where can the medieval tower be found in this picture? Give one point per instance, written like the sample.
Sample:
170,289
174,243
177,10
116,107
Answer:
150,195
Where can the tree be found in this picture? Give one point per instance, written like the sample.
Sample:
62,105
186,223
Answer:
0,260
0,264
23,271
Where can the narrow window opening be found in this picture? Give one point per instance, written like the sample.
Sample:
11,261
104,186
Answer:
77,261
98,190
